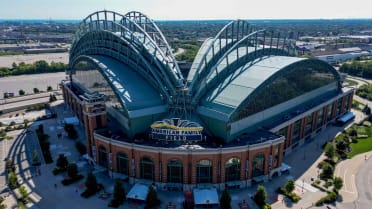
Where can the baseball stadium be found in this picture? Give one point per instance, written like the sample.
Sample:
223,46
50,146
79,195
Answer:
246,102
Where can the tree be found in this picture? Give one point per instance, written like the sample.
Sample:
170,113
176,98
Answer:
341,145
36,90
81,147
2,206
367,110
119,194
62,161
13,181
49,88
338,183
71,131
328,170
72,170
260,196
329,150
289,186
152,200
353,132
24,193
91,182
225,200
52,98
21,92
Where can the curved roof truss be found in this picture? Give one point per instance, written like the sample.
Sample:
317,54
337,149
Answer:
157,36
128,29
229,40
242,52
226,37
125,52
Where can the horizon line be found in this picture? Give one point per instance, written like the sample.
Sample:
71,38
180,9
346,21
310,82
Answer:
204,19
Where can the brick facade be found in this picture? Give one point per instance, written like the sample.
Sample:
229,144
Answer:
189,158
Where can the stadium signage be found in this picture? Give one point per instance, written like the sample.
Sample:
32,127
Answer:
176,129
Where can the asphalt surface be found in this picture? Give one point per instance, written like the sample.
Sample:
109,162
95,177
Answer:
44,194
364,185
29,82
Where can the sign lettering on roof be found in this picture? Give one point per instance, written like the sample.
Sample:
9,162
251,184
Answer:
175,129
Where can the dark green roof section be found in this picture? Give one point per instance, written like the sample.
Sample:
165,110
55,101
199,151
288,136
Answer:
238,89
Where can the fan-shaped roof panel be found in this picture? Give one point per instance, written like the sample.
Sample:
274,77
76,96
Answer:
134,91
230,93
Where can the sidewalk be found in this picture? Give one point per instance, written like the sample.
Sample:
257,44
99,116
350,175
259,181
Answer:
303,160
348,170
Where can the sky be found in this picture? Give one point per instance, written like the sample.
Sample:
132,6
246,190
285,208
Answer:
189,9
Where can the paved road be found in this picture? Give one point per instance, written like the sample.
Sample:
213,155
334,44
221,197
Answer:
29,97
363,184
4,147
28,82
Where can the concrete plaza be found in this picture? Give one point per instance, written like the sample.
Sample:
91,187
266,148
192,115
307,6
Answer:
40,182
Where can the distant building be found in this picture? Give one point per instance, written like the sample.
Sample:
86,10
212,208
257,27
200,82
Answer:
358,38
344,55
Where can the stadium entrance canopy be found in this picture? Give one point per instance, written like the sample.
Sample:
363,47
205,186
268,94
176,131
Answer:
203,197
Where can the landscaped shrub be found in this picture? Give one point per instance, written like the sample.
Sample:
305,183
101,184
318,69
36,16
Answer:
328,183
327,171
294,197
152,200
57,171
92,186
72,180
12,181
62,162
71,131
88,193
10,167
330,198
287,190
24,194
81,148
119,195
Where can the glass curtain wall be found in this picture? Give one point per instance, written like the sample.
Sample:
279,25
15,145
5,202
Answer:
204,171
102,157
122,163
232,169
258,165
147,169
175,171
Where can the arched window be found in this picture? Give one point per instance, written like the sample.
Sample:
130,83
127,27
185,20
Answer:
175,171
258,165
102,156
147,169
232,169
122,163
204,171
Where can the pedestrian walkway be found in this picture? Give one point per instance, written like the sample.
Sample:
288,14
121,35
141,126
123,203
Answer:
303,160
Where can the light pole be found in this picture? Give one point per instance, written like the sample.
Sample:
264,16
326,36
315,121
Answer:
318,174
303,184
110,159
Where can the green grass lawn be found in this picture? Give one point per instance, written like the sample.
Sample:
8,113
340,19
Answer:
363,145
